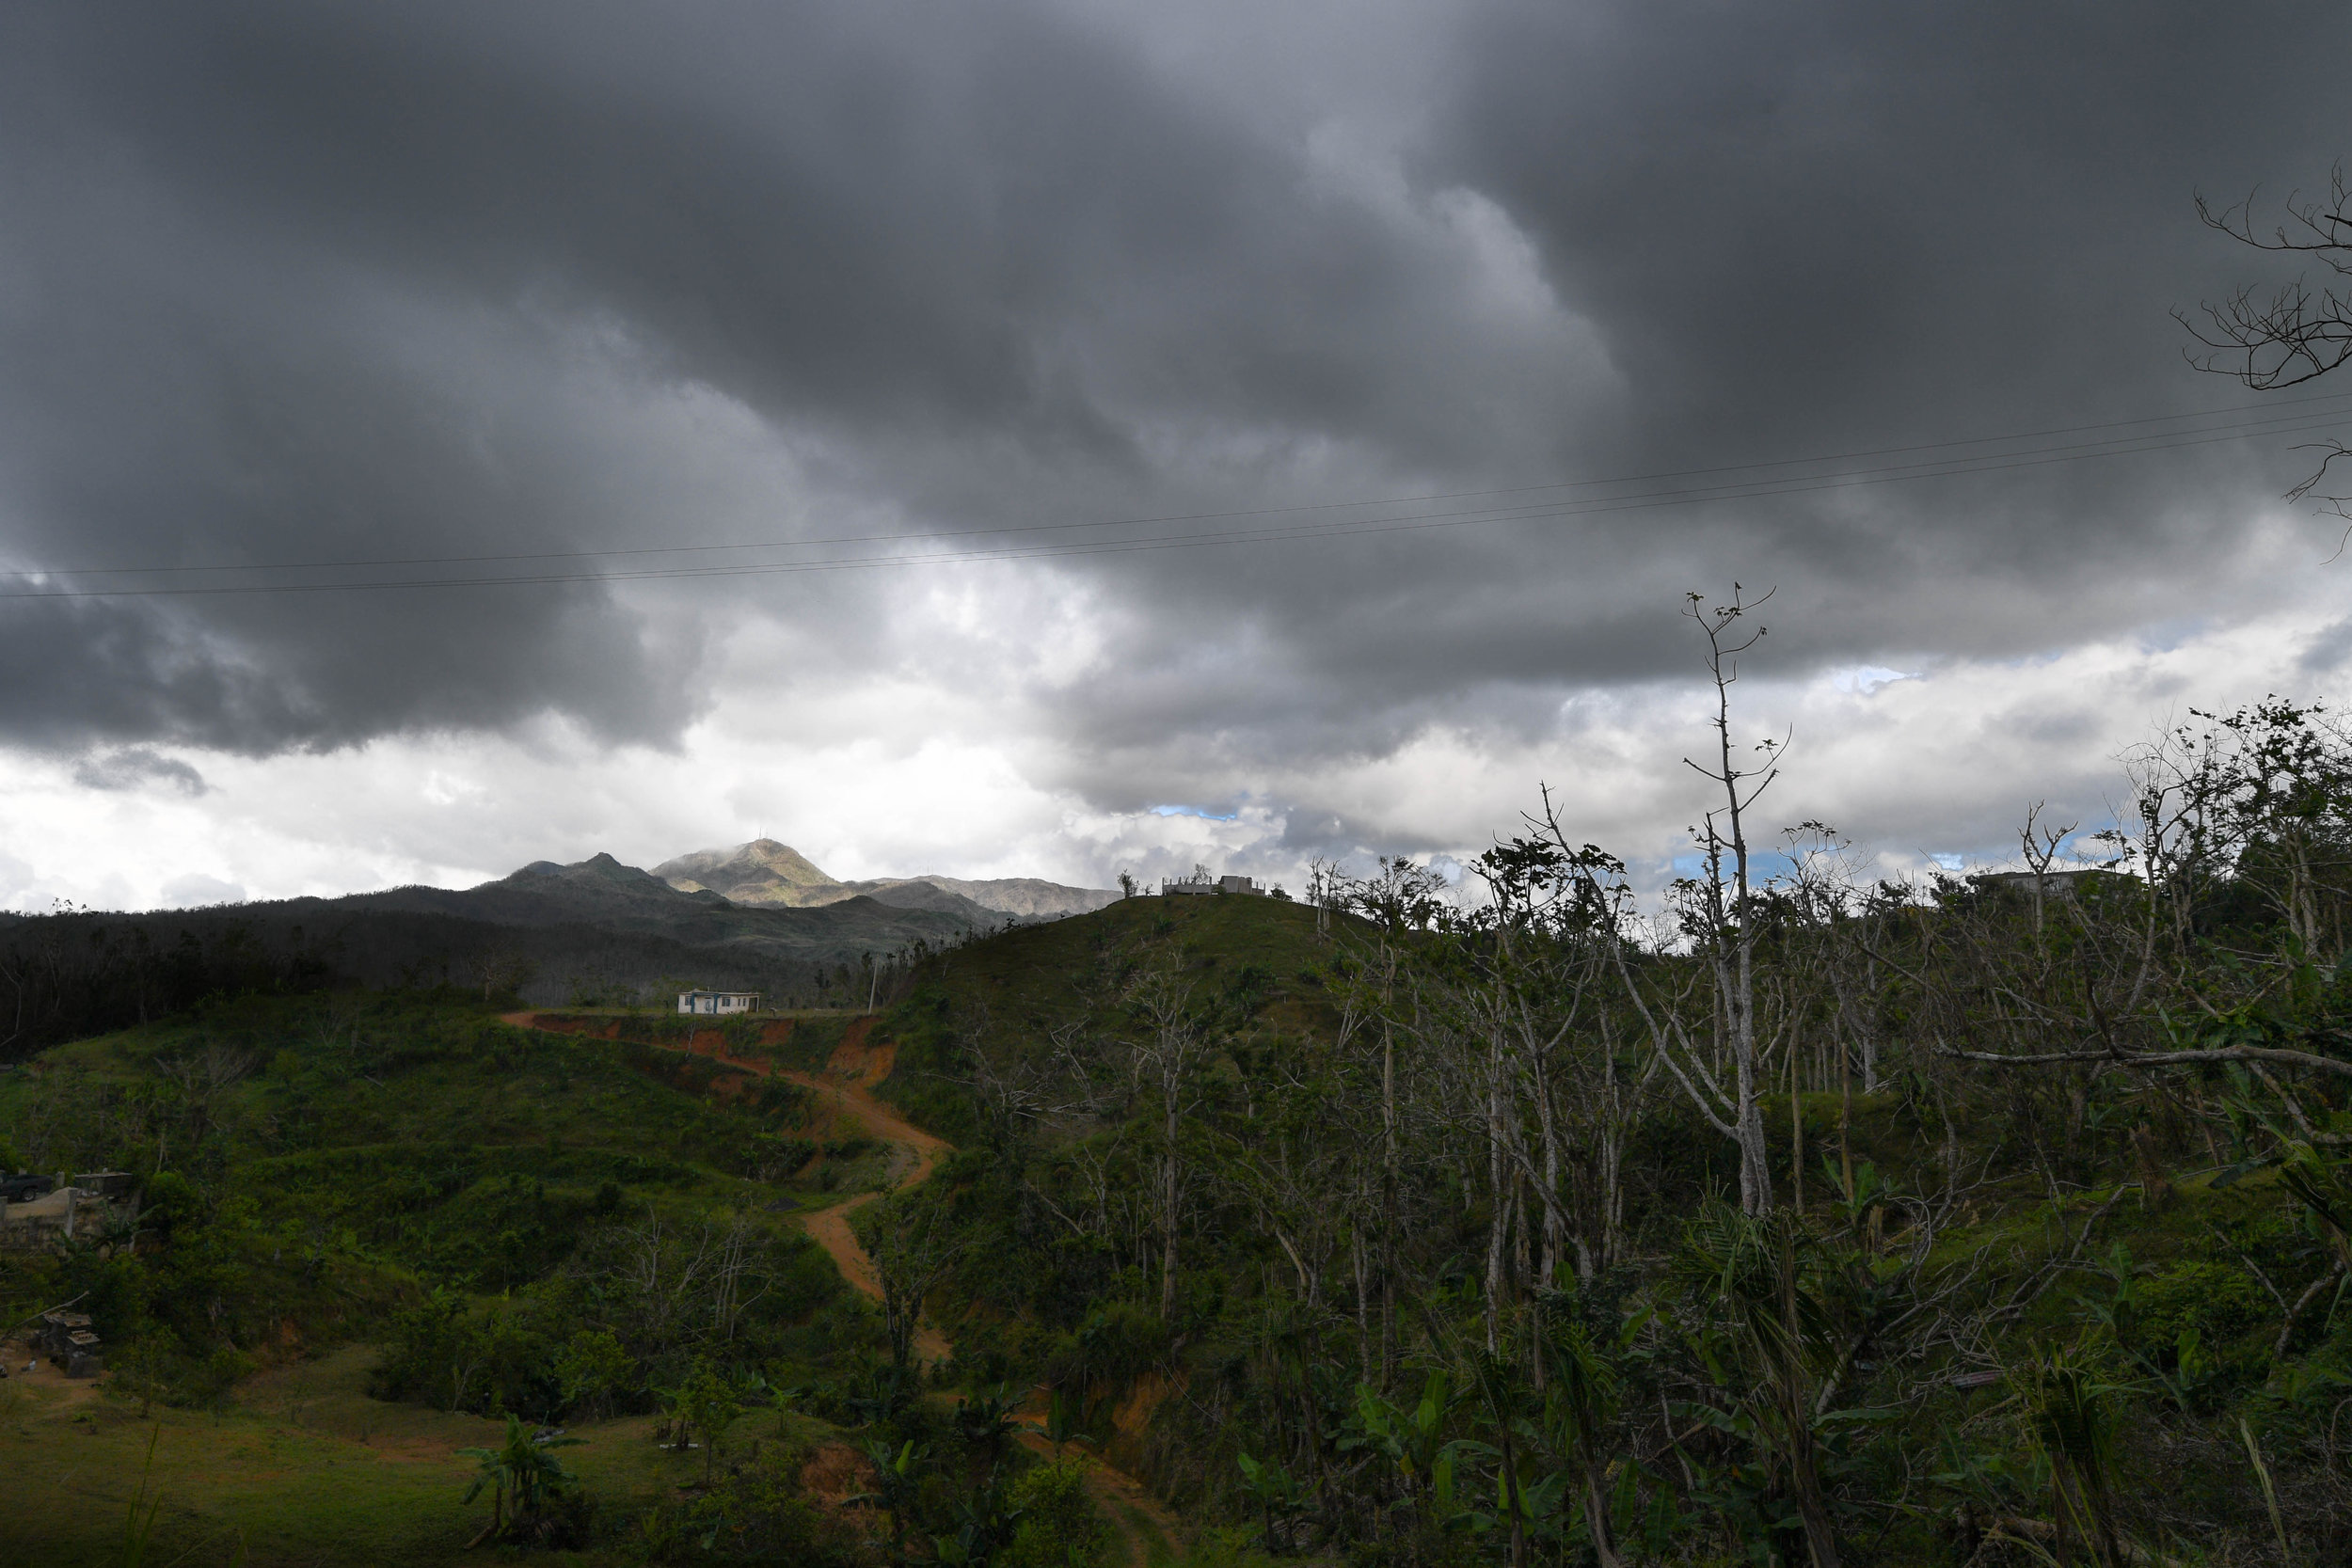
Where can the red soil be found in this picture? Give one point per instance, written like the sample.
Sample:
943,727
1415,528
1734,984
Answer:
844,1094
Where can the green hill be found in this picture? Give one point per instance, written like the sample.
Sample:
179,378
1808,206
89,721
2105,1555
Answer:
1399,1233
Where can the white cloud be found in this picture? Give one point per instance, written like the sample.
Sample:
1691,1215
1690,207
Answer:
195,888
950,762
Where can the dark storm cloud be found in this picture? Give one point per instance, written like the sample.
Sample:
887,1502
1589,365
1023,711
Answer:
288,282
135,767
265,256
1819,229
1890,222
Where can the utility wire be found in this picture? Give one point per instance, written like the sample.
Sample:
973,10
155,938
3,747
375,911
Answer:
2261,417
1564,508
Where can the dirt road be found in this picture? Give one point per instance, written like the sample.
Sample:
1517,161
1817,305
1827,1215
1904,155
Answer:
845,1092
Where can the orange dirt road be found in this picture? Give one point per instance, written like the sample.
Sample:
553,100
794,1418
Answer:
845,1088
845,1092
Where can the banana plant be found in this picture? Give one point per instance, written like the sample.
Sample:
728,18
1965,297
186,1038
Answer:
983,1527
1411,1440
1581,1407
889,1389
1272,1489
1769,1296
895,1478
2324,1187
1528,1504
2193,1379
1542,1502
523,1479
1065,1422
1865,1190
985,1420
1506,1399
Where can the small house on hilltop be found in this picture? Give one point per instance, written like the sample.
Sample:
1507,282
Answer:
718,1001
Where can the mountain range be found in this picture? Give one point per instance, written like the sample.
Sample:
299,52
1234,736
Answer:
756,917
770,874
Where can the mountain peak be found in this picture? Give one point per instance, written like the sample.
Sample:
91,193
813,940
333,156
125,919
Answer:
761,872
766,872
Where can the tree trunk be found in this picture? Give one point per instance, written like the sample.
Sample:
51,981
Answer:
1500,1208
1168,1238
1387,1208
1596,1518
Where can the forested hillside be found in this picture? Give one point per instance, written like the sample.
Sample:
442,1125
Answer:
1794,1220
1803,1220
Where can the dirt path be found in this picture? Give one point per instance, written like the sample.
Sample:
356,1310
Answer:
1128,1506
845,1088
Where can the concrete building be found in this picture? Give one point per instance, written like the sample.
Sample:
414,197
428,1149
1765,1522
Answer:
1172,887
2065,884
718,1001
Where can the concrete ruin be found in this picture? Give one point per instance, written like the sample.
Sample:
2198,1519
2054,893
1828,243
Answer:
68,1208
1199,883
71,1346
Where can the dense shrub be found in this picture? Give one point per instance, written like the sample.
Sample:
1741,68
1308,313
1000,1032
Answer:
754,1513
1059,1525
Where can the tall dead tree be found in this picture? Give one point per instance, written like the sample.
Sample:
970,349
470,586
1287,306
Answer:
1726,898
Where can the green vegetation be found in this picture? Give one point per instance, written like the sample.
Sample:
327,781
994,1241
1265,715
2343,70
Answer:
1823,1223
1985,1222
386,1243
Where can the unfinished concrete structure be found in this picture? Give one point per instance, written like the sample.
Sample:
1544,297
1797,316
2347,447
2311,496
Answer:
1200,883
72,1208
71,1344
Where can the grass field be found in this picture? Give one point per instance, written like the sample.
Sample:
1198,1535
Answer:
303,1467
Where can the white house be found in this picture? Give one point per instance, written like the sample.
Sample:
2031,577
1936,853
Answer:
718,1001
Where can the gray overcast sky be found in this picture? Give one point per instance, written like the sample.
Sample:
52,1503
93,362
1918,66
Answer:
294,283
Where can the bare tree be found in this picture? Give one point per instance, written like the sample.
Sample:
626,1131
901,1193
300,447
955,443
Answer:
1729,931
682,1284
500,967
2282,337
1174,1045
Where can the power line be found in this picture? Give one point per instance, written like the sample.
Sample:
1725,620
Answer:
1566,508
2262,418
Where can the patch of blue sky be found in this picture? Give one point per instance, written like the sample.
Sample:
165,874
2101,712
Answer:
1202,813
1764,865
1864,679
2170,635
